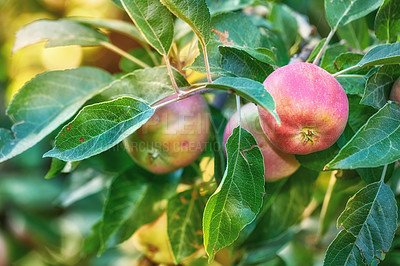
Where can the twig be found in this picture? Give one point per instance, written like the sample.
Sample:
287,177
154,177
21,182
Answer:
328,39
121,52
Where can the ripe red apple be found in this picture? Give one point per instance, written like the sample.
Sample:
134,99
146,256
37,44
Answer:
312,107
277,163
395,92
173,137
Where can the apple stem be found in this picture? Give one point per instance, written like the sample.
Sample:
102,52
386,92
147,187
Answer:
384,173
185,94
238,110
122,53
345,70
328,39
326,201
171,75
206,62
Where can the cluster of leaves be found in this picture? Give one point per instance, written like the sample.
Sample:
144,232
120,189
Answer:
241,50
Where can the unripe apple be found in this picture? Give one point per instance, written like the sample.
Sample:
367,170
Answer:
312,107
277,163
395,92
174,136
152,240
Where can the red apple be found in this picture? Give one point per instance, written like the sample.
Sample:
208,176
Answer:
277,163
312,107
174,136
395,92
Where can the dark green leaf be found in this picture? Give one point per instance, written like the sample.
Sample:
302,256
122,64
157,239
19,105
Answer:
154,22
227,5
185,213
57,33
355,33
195,13
238,198
249,89
369,223
339,12
45,102
379,85
376,143
99,127
241,64
387,21
135,198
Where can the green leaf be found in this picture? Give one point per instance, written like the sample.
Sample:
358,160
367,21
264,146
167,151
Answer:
195,13
354,84
355,33
251,90
58,167
99,127
345,185
120,26
387,21
135,198
274,42
346,60
317,160
379,85
358,113
339,12
218,123
142,84
238,198
376,143
227,30
384,54
127,65
46,102
369,223
330,54
227,5
286,207
241,64
235,29
316,50
57,33
284,23
185,213
154,22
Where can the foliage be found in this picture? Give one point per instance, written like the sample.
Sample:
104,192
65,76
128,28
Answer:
217,205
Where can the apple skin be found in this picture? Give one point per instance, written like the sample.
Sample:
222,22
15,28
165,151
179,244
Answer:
152,240
312,107
277,164
174,136
395,92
